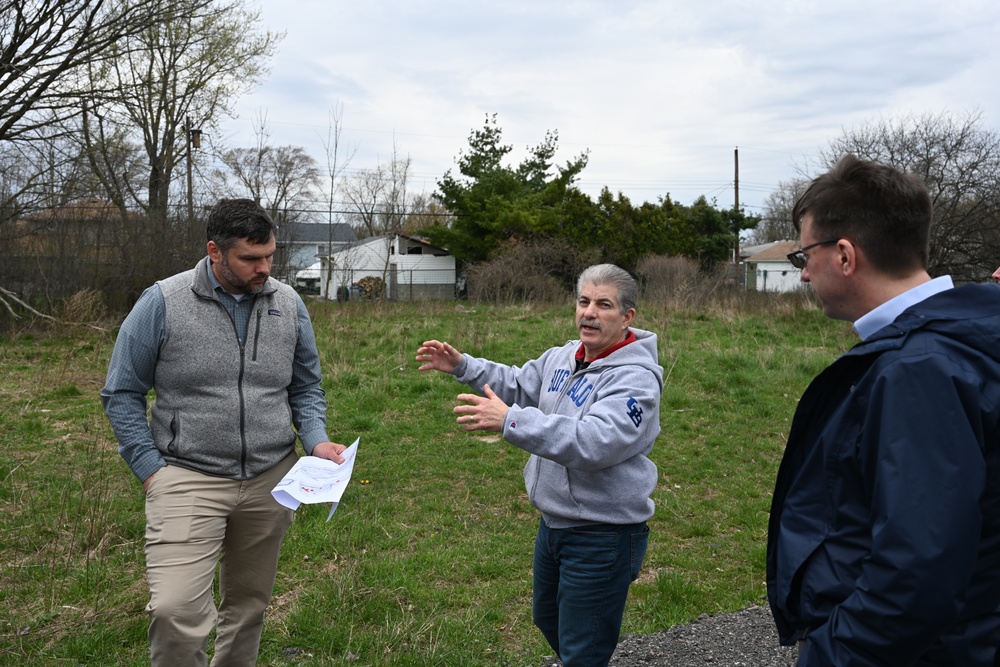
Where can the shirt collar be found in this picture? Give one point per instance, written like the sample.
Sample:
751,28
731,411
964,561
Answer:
887,313
581,353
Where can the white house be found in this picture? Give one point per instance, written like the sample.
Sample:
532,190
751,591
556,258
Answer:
405,267
768,269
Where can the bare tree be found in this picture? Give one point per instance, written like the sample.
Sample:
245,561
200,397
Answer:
776,224
282,179
115,160
83,85
33,175
57,236
380,204
179,74
396,203
363,194
335,167
425,211
960,161
49,50
378,197
45,44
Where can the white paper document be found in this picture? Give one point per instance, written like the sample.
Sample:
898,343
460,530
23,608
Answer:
316,480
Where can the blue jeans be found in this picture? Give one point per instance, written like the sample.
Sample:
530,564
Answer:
581,582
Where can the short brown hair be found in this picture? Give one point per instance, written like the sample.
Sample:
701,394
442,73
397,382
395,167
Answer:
883,211
233,219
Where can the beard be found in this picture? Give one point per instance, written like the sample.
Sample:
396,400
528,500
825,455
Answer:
237,283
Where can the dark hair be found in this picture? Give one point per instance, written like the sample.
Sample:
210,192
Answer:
234,219
883,211
609,274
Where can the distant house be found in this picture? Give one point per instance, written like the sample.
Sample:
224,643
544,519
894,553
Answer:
768,269
394,266
300,245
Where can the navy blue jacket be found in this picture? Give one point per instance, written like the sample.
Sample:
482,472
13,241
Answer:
884,535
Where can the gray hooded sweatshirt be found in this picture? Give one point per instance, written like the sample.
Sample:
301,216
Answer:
589,432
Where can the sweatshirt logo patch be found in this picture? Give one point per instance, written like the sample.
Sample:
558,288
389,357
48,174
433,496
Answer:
634,411
274,311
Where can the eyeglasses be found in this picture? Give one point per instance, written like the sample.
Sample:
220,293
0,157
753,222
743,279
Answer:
799,259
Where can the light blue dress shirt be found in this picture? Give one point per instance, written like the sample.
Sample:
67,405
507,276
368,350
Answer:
887,313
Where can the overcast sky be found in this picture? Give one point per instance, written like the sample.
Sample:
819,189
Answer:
660,92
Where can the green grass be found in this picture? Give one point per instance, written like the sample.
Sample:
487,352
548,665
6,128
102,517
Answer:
429,562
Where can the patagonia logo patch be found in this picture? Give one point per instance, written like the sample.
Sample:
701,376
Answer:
274,311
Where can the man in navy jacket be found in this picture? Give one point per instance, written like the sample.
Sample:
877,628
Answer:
884,536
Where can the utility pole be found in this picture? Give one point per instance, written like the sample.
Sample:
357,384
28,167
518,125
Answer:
736,159
736,202
193,139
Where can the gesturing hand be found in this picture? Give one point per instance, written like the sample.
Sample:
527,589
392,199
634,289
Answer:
438,356
481,413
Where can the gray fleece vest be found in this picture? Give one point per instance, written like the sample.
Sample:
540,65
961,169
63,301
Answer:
220,408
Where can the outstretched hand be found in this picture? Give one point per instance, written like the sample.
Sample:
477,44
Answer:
481,413
438,356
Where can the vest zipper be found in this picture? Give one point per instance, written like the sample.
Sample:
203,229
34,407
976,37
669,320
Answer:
239,390
243,415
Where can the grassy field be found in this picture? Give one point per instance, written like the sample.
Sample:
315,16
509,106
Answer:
428,559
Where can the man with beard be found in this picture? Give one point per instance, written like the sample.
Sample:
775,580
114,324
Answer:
588,412
232,358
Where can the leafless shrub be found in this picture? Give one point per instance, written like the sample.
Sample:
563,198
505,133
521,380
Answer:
667,279
677,283
83,307
542,271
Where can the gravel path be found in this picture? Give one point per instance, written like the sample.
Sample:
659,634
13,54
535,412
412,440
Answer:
745,638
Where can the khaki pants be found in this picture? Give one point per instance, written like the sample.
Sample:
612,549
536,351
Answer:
194,521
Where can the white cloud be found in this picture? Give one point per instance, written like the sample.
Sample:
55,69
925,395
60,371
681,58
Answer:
660,91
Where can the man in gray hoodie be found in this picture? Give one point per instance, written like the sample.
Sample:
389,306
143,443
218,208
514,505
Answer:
231,355
588,412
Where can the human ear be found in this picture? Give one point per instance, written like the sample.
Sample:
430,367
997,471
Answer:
847,257
214,252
